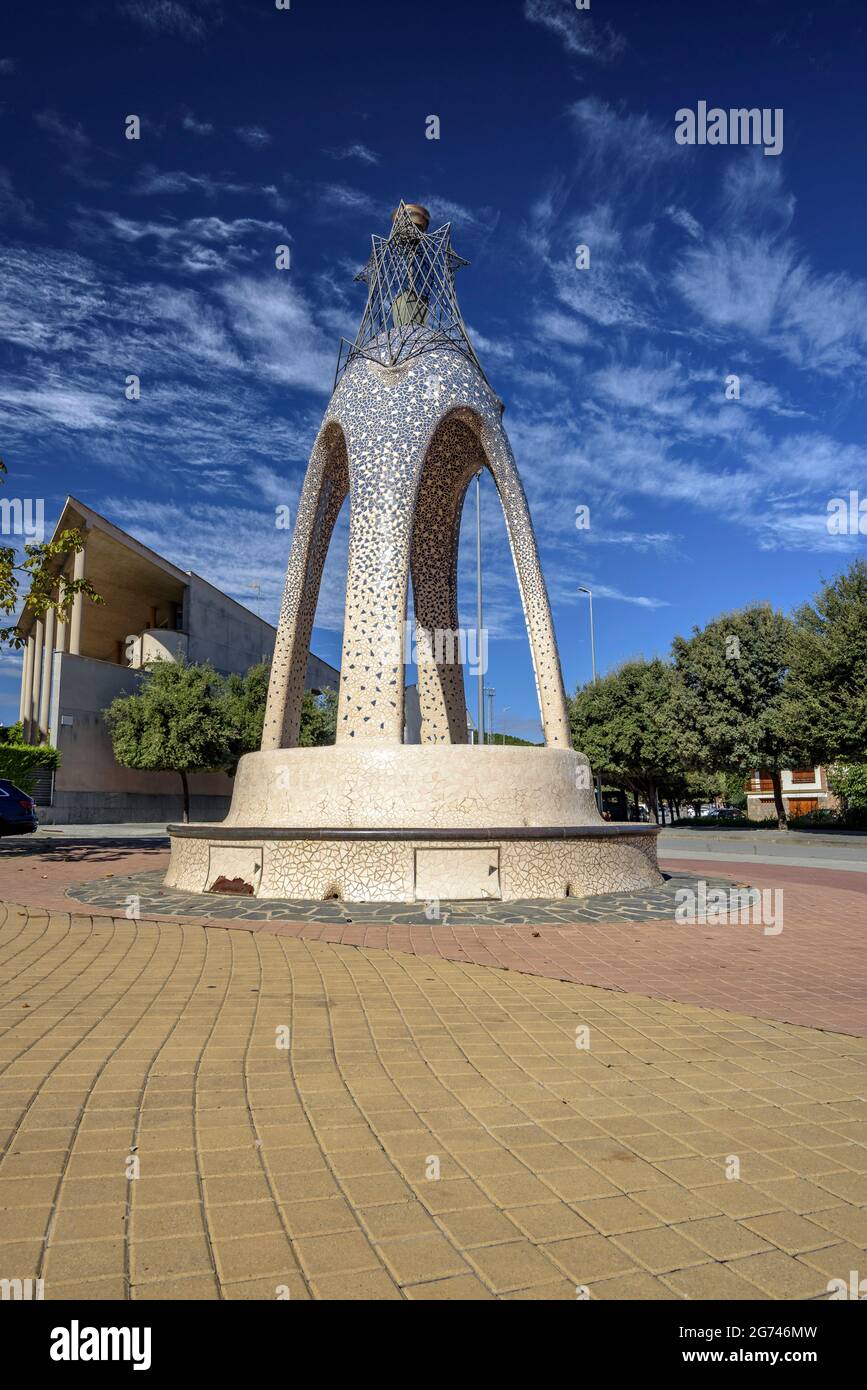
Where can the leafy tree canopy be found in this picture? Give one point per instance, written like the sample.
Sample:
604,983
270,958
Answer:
826,701
38,571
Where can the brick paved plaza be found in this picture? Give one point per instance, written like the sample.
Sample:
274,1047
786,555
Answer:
431,1131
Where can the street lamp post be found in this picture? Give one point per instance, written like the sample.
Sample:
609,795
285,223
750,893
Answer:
505,710
490,692
582,589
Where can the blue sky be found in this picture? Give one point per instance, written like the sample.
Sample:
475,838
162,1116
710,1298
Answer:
305,126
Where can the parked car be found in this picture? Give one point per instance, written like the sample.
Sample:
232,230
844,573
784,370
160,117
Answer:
17,810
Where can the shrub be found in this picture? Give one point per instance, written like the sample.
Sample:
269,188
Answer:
19,763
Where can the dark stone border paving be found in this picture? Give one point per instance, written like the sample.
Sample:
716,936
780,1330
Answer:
654,905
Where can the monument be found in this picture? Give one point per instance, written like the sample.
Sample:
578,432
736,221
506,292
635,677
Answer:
411,421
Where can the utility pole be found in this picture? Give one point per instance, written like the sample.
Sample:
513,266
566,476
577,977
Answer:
589,592
490,692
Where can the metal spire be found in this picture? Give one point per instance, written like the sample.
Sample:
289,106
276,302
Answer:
411,302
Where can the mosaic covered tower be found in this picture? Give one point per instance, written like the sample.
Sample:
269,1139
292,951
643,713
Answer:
411,421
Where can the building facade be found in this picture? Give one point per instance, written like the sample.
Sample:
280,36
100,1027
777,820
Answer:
805,789
72,671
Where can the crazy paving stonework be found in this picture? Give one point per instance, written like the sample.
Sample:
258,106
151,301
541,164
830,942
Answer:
147,894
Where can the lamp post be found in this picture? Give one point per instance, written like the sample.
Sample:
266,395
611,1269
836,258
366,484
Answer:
505,710
490,692
582,589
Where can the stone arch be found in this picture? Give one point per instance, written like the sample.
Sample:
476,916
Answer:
326,484
495,452
453,457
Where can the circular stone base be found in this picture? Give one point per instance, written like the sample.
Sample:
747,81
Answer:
414,865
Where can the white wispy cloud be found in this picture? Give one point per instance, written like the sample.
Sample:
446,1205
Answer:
197,244
253,135
358,151
195,126
640,600
579,32
13,206
626,146
189,19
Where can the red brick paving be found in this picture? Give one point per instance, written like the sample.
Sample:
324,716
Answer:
814,973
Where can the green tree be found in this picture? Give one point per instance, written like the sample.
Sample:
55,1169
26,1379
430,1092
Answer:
245,700
734,672
177,721
849,782
318,719
246,697
631,726
826,704
38,570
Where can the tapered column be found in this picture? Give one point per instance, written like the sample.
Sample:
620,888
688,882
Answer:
78,572
62,625
36,693
325,486
531,585
47,668
26,702
452,459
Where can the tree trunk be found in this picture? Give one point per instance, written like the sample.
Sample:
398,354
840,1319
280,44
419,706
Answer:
186,786
635,803
779,804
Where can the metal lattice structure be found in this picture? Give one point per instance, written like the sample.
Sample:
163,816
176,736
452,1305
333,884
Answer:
411,302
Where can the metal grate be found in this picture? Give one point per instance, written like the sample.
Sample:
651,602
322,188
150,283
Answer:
43,790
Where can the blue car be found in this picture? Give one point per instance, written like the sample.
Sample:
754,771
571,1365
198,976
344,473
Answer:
17,810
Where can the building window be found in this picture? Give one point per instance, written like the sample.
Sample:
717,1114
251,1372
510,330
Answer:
803,776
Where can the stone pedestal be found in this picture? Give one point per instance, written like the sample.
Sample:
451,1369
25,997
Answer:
415,823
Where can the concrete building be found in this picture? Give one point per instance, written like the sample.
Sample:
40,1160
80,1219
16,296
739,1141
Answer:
72,671
805,789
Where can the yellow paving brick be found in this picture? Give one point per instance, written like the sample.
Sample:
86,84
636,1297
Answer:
632,1288
711,1281
514,1265
244,1219
417,1259
196,1287
660,1250
396,1219
478,1226
789,1232
280,1288
112,1289
612,1214
84,1259
24,1223
367,1285
549,1221
780,1275
725,1239
845,1222
458,1288
837,1260
589,1257
336,1254
168,1256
